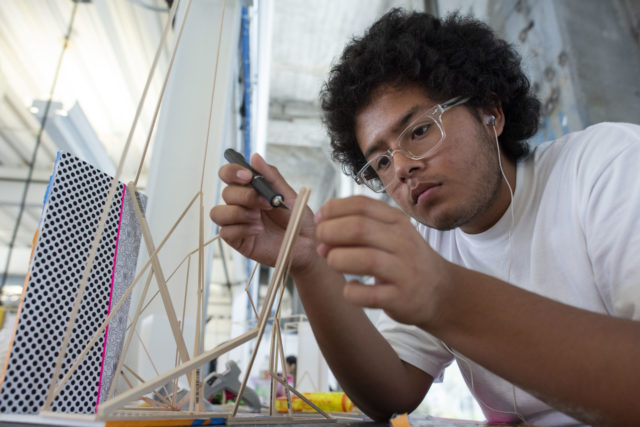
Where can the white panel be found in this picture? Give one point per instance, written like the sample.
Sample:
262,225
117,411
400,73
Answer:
312,370
179,147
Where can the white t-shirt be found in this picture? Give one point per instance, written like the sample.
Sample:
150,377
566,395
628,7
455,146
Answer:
575,238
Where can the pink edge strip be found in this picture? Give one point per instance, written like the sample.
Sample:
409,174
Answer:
113,276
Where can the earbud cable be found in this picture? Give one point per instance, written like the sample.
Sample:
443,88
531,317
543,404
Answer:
458,355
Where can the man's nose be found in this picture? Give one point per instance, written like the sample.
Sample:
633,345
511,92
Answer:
404,165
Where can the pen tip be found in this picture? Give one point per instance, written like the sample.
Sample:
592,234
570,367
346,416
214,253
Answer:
278,202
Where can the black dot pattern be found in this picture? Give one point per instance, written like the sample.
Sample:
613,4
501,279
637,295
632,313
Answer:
67,228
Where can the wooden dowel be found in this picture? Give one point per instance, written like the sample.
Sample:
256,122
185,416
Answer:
184,310
55,389
213,91
160,280
272,367
216,237
111,405
307,401
166,79
194,392
146,351
283,255
246,290
99,333
62,352
139,378
284,366
129,337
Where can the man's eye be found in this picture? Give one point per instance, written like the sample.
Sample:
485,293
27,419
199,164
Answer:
382,163
421,130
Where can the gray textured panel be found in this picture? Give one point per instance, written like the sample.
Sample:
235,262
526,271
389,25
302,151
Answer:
128,247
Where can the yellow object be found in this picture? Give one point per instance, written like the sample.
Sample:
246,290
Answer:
329,402
400,421
2,312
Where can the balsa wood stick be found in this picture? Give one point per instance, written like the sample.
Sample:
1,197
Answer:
159,275
53,390
283,255
129,337
275,351
146,351
279,351
194,392
184,311
307,401
140,379
164,87
146,399
195,377
284,365
138,310
98,334
246,290
213,92
272,367
111,405
207,243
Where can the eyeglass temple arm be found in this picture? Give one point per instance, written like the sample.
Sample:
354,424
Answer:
453,102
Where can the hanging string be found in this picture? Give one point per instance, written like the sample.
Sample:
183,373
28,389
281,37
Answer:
32,164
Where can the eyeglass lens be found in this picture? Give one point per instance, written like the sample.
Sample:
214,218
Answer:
416,142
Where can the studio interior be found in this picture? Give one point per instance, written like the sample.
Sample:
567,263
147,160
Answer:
120,302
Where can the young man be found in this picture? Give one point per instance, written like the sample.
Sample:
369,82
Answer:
523,265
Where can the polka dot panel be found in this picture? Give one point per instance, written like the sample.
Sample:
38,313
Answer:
70,220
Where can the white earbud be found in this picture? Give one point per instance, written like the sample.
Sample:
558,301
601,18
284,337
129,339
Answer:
490,120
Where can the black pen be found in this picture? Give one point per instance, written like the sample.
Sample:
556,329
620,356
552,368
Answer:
258,182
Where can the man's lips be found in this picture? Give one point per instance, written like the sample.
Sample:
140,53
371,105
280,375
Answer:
422,191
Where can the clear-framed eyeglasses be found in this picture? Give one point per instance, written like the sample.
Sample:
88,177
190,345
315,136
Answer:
421,138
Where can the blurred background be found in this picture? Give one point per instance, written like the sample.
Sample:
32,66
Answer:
72,74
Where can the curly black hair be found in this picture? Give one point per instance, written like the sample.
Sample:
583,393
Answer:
455,56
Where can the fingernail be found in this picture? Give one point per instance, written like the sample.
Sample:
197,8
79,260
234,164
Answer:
253,214
322,250
244,174
317,218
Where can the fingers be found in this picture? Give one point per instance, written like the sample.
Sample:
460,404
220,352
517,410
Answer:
225,215
236,235
363,236
245,196
359,221
358,205
240,192
364,262
234,174
372,296
357,231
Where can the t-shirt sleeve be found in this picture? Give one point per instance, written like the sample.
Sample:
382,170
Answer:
415,346
612,217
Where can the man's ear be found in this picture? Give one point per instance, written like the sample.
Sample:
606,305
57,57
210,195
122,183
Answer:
494,116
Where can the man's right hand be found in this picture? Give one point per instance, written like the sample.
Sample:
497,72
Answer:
254,228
